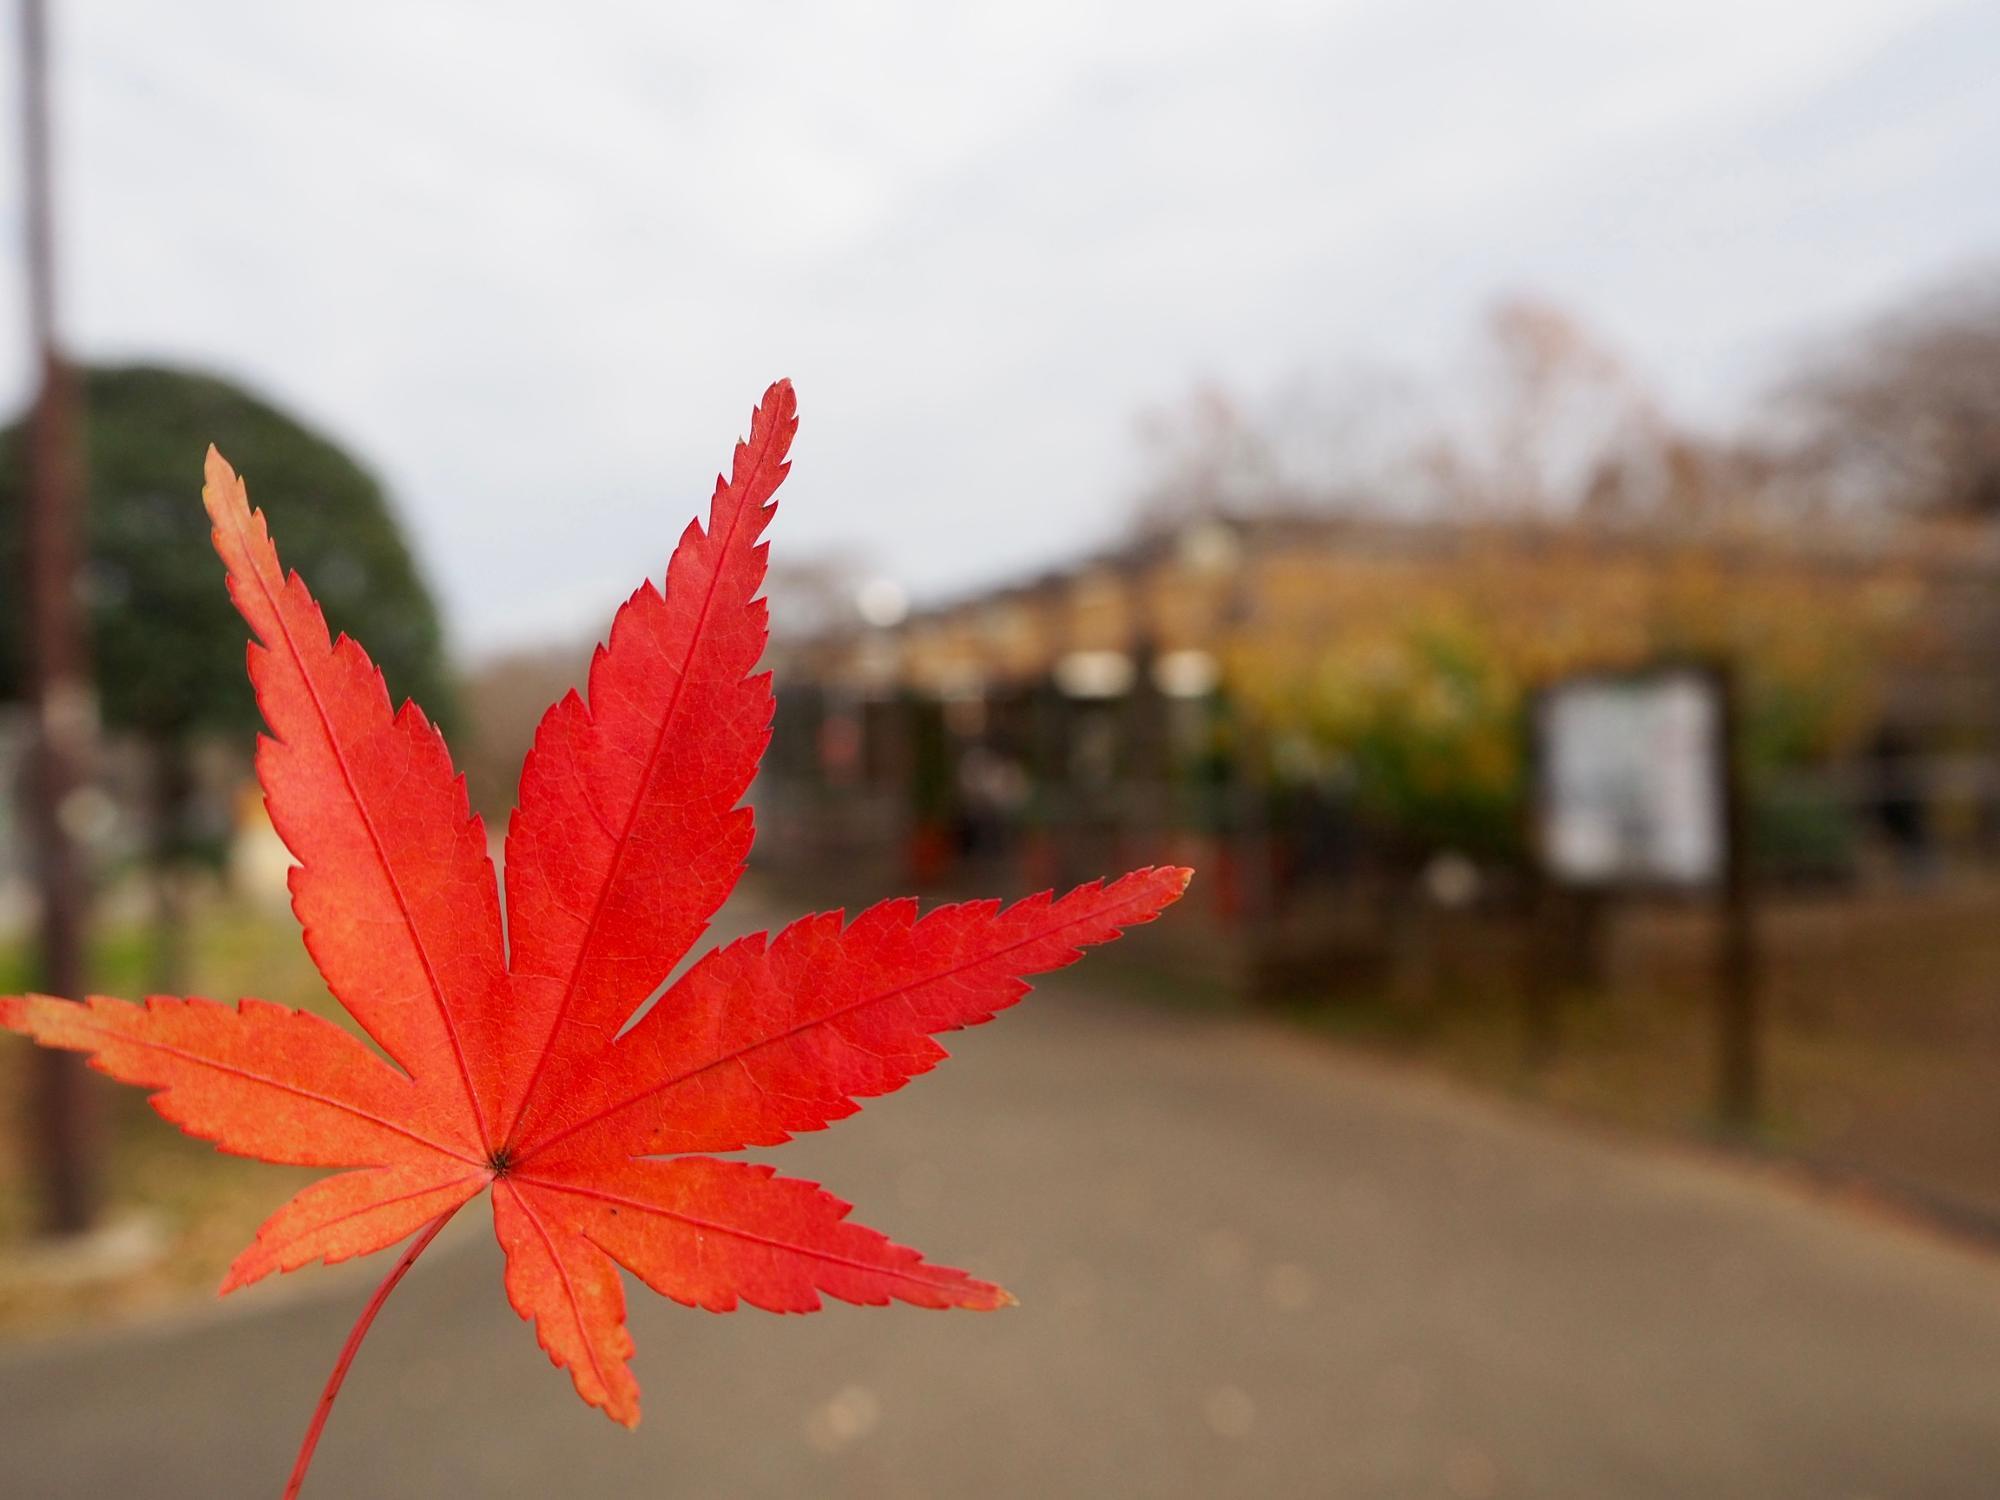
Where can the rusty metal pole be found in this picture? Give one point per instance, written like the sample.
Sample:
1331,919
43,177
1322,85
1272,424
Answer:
58,673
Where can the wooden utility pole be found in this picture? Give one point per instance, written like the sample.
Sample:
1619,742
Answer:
58,673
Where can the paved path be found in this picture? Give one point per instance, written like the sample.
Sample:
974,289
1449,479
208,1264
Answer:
1249,1267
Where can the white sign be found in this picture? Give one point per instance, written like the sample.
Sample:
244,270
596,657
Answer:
1631,780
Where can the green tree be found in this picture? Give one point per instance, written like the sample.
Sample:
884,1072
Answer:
166,646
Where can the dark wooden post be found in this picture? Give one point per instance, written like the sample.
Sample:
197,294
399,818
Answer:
58,674
1739,1072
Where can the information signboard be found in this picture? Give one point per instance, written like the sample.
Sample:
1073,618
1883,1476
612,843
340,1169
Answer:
1631,779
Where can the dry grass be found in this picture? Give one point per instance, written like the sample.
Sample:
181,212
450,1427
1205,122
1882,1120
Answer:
1882,1036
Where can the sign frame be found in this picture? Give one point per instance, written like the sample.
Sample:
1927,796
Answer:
1717,680
1738,1023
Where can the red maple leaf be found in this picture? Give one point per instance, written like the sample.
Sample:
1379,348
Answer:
510,1067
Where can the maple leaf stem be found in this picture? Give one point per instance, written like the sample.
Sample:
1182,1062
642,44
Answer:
353,1345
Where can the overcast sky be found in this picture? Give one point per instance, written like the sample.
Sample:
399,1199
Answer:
535,262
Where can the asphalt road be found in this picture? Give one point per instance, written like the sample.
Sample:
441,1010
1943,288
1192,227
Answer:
1248,1266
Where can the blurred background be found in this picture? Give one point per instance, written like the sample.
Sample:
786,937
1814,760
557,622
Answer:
1510,494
